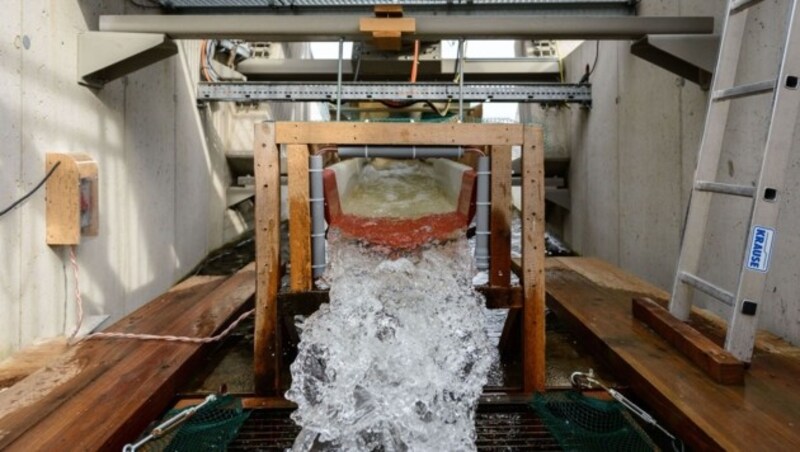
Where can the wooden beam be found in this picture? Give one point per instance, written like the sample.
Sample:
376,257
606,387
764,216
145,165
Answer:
104,392
360,133
533,327
500,240
299,217
712,359
268,223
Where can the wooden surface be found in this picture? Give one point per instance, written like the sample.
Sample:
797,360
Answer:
761,415
268,224
357,133
299,217
104,392
533,280
500,225
712,359
30,359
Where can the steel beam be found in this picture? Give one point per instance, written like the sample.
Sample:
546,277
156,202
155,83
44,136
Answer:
477,70
434,92
433,28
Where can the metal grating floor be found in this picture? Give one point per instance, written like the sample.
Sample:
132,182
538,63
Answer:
613,7
499,427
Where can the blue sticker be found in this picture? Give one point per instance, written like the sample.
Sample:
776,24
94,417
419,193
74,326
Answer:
760,249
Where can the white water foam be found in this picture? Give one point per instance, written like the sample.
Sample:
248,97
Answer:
397,360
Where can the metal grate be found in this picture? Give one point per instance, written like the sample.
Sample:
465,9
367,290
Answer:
499,427
363,91
298,6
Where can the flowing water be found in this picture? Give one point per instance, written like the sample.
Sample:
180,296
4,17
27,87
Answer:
397,360
396,188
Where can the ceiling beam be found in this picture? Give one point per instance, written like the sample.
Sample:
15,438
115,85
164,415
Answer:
432,28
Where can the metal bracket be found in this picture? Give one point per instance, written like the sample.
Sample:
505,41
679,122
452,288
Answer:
691,57
106,56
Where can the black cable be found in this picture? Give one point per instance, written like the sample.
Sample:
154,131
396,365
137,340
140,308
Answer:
585,78
28,195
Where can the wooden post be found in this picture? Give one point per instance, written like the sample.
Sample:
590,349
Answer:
500,240
268,224
533,327
299,217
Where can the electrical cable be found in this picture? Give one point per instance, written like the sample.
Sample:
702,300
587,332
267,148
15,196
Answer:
415,63
589,72
73,259
28,195
142,337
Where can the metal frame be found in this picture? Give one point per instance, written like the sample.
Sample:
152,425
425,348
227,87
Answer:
103,57
364,91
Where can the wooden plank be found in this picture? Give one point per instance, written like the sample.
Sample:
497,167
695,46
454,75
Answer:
23,405
299,217
268,223
361,133
500,240
387,24
388,10
712,359
30,359
533,326
98,418
706,415
81,390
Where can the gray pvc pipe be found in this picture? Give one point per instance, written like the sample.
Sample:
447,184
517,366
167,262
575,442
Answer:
317,216
482,215
401,152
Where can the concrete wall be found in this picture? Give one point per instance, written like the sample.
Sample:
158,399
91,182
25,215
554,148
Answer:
633,158
162,190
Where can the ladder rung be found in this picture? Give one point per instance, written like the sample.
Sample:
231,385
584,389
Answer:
751,89
708,288
725,189
738,6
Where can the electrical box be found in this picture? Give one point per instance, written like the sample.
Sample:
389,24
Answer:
71,198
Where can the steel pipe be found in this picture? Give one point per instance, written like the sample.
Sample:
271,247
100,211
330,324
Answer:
482,204
401,152
318,259
432,28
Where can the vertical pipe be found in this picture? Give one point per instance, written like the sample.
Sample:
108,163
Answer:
482,204
317,201
462,59
339,81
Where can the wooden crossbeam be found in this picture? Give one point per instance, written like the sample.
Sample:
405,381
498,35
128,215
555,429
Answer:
712,359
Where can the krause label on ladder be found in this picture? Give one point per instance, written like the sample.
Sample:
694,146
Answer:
760,249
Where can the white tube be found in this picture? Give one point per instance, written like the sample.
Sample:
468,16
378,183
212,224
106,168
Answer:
482,204
317,216
401,152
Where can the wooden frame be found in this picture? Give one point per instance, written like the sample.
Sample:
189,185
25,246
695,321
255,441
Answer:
300,137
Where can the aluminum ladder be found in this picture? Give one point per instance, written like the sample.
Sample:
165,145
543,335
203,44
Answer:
765,197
